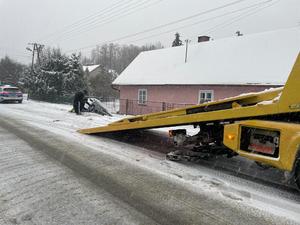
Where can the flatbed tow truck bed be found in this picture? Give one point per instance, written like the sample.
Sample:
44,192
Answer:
262,126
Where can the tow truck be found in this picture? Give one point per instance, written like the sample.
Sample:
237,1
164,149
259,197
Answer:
262,126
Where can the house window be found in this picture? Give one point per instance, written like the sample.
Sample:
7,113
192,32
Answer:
142,97
205,96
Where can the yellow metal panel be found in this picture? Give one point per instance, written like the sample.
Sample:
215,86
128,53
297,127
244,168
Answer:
290,97
288,148
231,136
186,119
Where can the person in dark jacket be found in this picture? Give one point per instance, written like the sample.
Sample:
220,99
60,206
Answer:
79,100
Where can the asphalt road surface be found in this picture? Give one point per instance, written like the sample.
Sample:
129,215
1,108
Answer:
48,179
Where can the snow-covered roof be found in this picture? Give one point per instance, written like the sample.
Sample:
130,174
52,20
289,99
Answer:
265,58
90,68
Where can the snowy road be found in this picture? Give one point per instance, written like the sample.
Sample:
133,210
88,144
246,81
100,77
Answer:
35,189
52,175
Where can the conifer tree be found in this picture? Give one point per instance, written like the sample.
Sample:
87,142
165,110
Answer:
57,77
177,41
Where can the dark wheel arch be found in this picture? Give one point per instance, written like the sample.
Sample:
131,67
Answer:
297,172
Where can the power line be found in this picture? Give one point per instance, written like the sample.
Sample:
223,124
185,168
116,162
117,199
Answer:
204,20
12,55
87,18
167,24
112,19
96,24
105,18
17,55
236,19
185,26
219,26
250,12
11,50
98,18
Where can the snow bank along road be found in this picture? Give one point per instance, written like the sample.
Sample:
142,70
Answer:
49,174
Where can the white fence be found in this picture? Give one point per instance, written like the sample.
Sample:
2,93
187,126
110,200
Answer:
112,105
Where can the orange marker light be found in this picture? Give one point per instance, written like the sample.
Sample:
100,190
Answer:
231,137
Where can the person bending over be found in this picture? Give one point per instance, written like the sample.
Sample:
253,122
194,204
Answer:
79,100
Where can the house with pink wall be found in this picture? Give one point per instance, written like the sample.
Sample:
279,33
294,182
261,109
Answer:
213,70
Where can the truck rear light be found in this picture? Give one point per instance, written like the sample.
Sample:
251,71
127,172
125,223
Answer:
260,141
4,94
230,137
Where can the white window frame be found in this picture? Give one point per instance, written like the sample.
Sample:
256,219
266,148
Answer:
205,98
142,100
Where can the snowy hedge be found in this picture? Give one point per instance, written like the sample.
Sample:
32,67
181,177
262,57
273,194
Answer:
56,78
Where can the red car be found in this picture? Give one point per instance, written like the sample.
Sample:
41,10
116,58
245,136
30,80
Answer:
10,94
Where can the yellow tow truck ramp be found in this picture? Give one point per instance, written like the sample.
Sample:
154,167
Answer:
231,108
261,126
271,102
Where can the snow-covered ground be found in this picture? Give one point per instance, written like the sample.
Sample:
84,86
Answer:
35,189
57,119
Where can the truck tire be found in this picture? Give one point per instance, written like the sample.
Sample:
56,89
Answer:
297,173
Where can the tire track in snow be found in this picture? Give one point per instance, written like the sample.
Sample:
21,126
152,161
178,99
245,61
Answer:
43,191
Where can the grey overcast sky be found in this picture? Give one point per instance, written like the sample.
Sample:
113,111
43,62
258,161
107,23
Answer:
77,25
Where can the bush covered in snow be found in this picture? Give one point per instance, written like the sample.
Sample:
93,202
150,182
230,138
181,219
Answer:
57,77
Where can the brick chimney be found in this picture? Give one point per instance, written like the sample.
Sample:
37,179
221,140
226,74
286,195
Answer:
203,38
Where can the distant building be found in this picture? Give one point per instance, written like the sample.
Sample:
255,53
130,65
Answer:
100,81
160,79
91,70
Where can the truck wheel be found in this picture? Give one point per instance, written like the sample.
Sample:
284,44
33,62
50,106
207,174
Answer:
297,173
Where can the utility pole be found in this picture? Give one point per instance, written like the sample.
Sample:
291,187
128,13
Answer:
36,48
187,41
